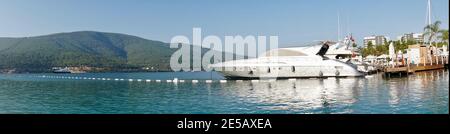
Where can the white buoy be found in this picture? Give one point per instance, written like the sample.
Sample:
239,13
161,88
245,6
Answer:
122,79
175,80
208,81
255,81
223,81
158,80
181,80
116,79
139,80
130,79
194,81
239,81
292,79
148,80
168,81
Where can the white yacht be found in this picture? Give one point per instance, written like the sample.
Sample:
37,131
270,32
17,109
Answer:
297,62
343,51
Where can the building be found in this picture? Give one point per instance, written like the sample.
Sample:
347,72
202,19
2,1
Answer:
375,40
416,37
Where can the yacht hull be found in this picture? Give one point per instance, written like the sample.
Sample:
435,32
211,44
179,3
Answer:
295,67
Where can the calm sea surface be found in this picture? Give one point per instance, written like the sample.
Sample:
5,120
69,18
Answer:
424,92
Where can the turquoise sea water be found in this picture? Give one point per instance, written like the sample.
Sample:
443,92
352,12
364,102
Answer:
424,92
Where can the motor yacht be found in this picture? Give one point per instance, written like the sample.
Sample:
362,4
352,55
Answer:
297,62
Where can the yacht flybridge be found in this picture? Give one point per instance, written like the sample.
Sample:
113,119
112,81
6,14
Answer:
321,59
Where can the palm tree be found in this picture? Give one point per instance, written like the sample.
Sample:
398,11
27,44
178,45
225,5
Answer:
443,36
432,30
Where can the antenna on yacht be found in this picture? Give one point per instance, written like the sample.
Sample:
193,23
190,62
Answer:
349,34
347,25
428,18
339,26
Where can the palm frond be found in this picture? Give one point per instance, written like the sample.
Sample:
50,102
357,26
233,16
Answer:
437,23
427,27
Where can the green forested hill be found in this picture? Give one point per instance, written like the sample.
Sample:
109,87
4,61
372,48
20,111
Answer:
86,48
111,51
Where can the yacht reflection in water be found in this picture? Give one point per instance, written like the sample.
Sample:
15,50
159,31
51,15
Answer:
345,95
299,95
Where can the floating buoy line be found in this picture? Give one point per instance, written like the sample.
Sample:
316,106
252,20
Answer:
175,80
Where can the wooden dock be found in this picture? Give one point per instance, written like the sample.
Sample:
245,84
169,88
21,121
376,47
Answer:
427,67
397,71
427,60
411,69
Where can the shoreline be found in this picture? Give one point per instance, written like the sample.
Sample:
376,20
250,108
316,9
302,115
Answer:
87,72
77,70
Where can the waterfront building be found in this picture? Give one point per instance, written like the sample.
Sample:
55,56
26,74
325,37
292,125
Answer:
375,40
416,37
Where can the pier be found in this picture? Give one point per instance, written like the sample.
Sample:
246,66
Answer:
412,69
425,60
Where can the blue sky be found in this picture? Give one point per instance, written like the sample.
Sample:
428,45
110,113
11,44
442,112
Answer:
294,21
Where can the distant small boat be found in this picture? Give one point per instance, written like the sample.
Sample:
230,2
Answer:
61,70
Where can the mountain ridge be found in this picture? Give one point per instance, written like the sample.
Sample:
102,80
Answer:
103,51
83,48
